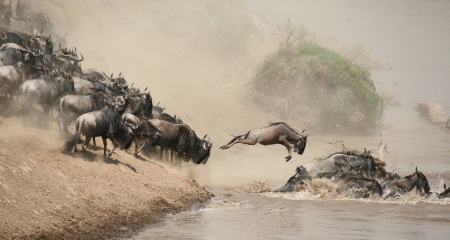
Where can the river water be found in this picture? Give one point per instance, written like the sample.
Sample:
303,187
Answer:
412,36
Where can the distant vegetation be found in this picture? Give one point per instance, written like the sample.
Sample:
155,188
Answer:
303,81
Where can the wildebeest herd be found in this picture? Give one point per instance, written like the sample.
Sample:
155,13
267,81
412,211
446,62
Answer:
34,71
359,174
101,106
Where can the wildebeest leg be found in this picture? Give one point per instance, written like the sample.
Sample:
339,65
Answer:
161,150
86,142
114,148
46,109
288,146
136,141
141,146
58,120
95,144
248,141
104,145
167,154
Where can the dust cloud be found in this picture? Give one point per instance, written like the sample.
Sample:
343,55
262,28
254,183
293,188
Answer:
198,68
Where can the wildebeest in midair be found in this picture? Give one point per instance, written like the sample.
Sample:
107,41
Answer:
275,133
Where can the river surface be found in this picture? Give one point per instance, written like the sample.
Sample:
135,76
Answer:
412,36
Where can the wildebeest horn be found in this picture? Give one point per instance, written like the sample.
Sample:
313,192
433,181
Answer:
205,136
417,172
79,60
132,84
145,89
120,74
111,75
130,125
75,48
6,36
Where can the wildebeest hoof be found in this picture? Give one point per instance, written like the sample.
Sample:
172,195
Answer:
287,159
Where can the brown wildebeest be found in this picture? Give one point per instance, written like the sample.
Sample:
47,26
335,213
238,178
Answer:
399,187
275,133
445,193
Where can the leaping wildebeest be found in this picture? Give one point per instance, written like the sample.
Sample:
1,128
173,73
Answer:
275,133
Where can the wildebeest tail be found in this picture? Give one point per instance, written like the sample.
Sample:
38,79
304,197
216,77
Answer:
70,144
245,135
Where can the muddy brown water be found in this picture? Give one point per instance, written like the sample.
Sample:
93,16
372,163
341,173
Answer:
412,37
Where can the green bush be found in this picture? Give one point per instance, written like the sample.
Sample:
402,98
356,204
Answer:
336,91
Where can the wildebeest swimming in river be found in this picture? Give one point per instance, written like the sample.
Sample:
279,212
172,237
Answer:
275,133
445,193
399,187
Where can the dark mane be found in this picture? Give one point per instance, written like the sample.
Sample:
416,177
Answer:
285,124
352,152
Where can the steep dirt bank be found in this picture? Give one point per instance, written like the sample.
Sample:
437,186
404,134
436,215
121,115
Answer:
45,194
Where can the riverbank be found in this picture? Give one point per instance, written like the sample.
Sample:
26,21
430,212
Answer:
49,195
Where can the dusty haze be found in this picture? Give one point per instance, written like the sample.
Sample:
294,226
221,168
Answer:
173,48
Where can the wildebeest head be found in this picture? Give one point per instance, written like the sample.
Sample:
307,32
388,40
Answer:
420,182
203,154
158,108
300,145
66,82
178,120
120,82
121,103
48,44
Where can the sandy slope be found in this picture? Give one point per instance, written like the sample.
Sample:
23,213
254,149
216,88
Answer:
44,193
